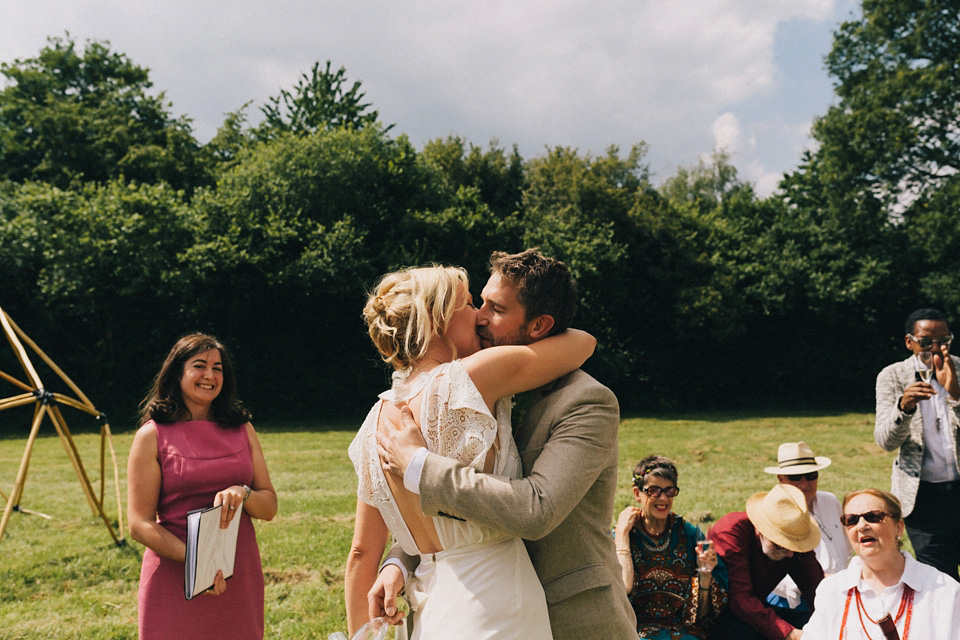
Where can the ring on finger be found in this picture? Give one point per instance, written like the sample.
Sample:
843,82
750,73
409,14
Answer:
232,507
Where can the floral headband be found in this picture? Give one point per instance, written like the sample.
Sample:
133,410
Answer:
638,476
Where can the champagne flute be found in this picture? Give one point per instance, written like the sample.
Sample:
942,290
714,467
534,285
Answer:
703,544
925,365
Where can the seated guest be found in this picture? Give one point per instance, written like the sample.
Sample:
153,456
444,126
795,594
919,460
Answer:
797,465
676,589
774,538
920,600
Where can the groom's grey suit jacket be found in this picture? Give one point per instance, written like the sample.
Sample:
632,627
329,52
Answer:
562,507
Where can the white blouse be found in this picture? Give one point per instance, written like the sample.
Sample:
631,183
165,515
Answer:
935,614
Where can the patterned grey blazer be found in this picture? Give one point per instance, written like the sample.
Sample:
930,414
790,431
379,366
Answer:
894,428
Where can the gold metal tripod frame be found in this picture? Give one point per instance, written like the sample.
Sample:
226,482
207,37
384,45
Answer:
47,404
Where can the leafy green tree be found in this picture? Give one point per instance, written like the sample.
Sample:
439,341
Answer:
704,186
895,128
293,235
861,211
97,275
320,100
71,116
632,256
498,176
931,238
231,138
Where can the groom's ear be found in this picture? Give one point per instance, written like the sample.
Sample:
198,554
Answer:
540,327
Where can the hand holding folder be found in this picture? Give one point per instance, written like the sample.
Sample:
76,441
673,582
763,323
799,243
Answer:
209,549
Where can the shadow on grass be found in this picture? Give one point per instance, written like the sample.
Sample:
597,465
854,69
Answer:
739,415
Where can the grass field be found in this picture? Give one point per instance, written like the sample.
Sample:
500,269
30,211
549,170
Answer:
64,578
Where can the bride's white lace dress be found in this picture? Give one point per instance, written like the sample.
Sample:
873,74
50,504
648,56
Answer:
482,585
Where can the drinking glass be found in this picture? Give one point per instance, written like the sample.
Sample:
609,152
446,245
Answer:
925,365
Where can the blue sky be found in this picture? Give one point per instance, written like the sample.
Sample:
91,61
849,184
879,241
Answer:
683,77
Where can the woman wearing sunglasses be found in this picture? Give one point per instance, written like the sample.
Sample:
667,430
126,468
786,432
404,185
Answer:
676,586
882,580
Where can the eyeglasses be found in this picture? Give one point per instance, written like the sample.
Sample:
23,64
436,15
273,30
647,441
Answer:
873,517
927,342
654,491
797,477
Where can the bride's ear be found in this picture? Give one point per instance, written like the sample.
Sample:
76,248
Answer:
541,327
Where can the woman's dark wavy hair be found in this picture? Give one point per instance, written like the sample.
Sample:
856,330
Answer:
164,403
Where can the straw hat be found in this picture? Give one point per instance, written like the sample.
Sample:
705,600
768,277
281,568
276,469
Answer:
797,457
781,516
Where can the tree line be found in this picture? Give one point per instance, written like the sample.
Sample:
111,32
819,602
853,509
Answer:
119,232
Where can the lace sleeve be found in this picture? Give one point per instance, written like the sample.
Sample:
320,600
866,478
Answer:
455,420
362,452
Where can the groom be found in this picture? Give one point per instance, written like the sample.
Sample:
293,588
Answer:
566,432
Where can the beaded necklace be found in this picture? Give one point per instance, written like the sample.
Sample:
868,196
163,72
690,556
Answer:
653,545
906,605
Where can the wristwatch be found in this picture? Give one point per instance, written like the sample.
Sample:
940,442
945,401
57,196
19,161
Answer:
246,494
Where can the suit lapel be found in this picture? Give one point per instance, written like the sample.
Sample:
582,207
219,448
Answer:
522,427
525,425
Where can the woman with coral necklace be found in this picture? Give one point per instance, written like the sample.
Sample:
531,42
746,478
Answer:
882,580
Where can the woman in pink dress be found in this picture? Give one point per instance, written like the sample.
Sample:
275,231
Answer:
196,448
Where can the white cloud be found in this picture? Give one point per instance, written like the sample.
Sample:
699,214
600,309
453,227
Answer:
727,135
545,72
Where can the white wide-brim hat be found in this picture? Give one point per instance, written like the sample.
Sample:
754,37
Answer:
797,457
781,516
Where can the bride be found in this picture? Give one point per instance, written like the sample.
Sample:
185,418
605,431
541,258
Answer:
423,323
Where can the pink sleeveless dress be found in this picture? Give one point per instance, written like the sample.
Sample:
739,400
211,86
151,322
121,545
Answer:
198,459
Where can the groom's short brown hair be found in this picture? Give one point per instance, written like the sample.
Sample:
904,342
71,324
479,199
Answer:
544,285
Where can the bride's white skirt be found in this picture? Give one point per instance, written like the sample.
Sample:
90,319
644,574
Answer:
486,591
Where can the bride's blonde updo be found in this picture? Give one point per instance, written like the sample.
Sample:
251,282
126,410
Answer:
407,307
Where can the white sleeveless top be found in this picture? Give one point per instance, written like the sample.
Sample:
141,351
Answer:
455,423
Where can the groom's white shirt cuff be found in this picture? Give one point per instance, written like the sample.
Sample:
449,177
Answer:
411,477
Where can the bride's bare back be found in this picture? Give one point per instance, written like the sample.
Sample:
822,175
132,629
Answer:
420,525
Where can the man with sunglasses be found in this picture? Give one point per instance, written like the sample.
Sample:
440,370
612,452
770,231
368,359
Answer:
797,466
918,413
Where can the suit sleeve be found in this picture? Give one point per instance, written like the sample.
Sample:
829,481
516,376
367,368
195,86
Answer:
892,426
582,440
410,563
733,545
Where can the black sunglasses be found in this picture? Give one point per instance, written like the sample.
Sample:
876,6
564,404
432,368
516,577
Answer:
926,342
873,517
654,491
797,477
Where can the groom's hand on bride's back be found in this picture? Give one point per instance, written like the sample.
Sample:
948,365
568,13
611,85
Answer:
399,440
382,597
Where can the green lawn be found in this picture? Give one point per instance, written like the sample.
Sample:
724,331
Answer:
64,578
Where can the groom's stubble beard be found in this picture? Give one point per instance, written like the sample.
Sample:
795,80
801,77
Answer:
519,336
